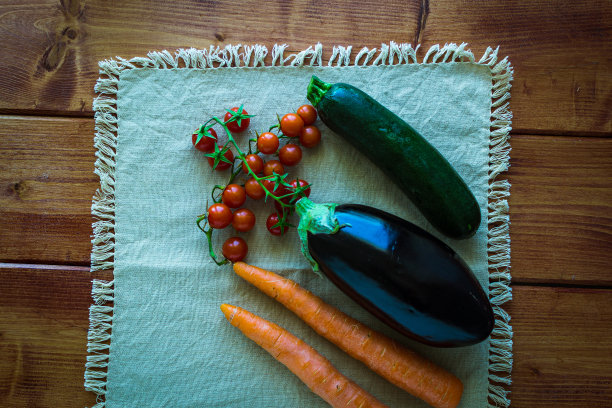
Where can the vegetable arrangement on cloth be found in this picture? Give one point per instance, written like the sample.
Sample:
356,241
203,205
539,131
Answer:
399,272
159,340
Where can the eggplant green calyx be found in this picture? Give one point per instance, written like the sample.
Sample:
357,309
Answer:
316,219
316,90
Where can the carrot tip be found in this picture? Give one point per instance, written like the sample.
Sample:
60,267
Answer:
227,309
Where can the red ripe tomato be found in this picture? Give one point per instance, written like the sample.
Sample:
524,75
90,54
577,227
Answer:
302,183
233,195
229,155
235,249
206,144
244,220
254,190
273,166
234,126
291,124
272,220
310,136
267,143
219,216
308,114
290,154
255,163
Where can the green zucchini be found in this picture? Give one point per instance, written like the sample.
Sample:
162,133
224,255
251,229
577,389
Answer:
420,171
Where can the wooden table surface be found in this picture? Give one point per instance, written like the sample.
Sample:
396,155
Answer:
561,166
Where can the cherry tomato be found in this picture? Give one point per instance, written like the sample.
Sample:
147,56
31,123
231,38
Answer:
273,166
308,114
229,155
206,144
254,190
291,124
255,163
234,126
244,220
310,136
219,215
235,249
302,183
271,222
290,154
267,143
233,195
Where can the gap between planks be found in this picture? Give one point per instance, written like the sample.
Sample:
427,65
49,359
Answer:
86,269
37,114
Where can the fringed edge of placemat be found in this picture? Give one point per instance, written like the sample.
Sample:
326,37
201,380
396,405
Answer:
500,292
105,143
98,339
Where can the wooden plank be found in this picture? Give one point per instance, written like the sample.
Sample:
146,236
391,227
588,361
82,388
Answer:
562,348
560,202
46,186
561,50
560,206
43,337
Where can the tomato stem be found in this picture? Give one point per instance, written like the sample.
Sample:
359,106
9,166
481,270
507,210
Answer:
212,193
211,250
209,232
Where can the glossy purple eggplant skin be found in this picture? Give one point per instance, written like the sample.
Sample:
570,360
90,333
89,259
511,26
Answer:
405,276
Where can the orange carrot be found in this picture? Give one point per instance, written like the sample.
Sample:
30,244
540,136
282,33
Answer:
304,361
397,364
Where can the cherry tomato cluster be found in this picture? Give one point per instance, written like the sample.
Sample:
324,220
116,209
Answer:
263,168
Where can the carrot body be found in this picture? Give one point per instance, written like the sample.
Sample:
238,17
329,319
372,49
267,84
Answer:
311,367
397,364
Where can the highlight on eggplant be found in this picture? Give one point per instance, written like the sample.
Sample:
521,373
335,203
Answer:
402,274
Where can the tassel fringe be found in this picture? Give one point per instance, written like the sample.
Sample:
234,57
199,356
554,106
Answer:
105,142
98,339
500,292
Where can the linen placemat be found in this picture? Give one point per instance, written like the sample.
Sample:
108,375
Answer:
157,337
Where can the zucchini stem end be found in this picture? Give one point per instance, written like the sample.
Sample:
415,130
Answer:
316,90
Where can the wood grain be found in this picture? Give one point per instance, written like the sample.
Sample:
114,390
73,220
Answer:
562,347
561,50
46,186
43,336
560,200
560,209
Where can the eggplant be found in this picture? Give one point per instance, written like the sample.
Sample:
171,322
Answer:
402,274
